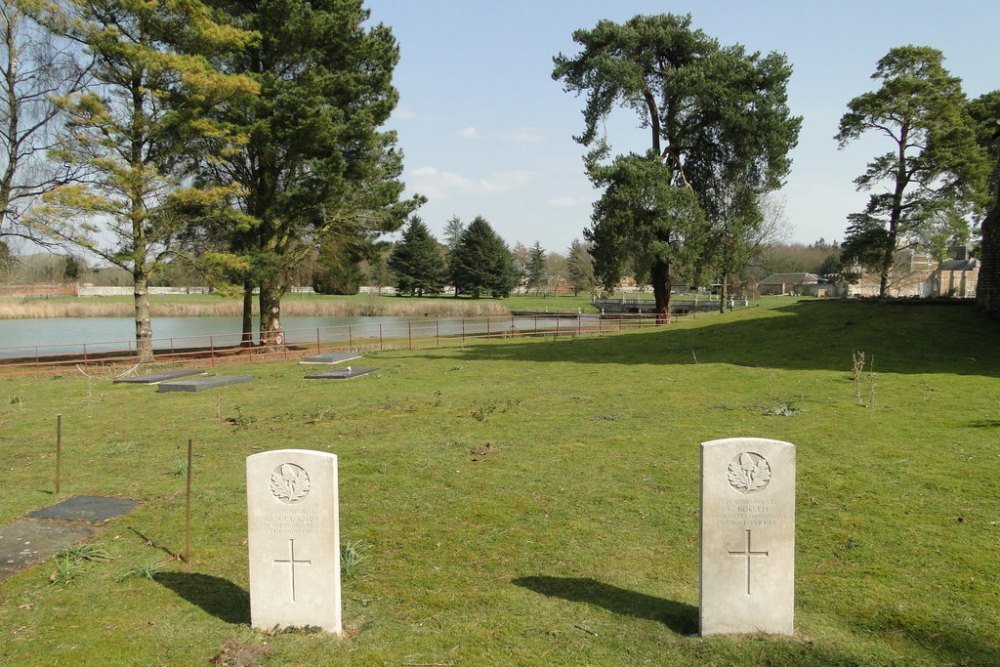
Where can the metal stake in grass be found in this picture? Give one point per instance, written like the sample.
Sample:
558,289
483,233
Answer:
187,509
58,453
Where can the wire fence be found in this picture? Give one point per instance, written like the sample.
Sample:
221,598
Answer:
221,349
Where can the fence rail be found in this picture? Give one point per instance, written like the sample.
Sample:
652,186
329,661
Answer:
220,349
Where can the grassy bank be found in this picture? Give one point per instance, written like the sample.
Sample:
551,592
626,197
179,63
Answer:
536,503
196,305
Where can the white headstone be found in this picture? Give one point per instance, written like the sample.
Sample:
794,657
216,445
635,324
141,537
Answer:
747,536
294,540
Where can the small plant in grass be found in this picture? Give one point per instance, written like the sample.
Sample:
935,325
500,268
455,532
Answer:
66,571
180,469
782,410
119,448
860,378
17,403
483,413
147,570
352,558
84,551
240,420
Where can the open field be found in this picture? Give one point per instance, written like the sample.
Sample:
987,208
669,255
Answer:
531,502
208,305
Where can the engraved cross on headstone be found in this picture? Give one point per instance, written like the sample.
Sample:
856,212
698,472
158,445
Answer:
292,563
747,552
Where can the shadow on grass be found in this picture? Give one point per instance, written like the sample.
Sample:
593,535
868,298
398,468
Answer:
217,596
679,617
808,335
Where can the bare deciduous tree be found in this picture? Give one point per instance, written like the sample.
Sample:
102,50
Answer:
35,69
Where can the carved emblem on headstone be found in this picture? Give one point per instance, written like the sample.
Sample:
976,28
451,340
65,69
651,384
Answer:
289,483
749,472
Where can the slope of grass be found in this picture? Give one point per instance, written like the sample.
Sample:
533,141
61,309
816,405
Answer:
536,503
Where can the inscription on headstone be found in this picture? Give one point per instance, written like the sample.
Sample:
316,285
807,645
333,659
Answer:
747,536
294,540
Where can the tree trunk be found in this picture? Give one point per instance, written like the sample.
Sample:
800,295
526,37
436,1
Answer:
723,293
247,337
143,324
660,277
271,332
988,288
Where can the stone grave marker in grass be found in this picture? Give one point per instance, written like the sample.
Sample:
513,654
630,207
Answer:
156,378
330,358
48,531
294,540
202,383
747,536
348,373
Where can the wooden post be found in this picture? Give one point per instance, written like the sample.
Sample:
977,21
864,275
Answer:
58,453
187,509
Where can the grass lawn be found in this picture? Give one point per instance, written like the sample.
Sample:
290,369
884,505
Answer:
572,538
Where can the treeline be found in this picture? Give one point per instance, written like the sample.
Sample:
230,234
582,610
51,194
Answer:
240,138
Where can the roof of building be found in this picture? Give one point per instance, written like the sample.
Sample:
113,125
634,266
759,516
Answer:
790,278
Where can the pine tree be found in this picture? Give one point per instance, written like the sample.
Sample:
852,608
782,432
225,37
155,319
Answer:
136,130
536,267
416,261
581,268
481,262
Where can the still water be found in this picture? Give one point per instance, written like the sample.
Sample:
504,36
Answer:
88,335
67,335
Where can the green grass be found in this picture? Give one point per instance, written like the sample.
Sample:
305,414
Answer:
532,502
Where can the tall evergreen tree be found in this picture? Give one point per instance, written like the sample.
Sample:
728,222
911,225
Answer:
135,130
933,165
717,118
316,164
416,261
481,262
536,267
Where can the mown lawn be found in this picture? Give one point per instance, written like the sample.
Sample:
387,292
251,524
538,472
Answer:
572,538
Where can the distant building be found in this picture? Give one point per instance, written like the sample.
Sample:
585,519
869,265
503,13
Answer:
787,283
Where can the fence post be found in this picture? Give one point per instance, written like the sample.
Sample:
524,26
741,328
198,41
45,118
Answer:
37,362
317,341
85,356
211,350
381,342
557,327
409,334
463,331
350,336
58,453
487,326
437,332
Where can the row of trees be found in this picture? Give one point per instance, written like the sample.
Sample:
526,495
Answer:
720,132
475,261
242,134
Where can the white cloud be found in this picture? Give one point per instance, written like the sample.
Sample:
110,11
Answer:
469,133
564,202
437,184
525,136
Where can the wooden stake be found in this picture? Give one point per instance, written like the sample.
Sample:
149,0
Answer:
187,511
58,453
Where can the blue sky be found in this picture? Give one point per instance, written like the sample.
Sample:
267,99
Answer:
486,131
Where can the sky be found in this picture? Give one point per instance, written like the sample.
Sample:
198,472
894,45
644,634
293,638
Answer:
486,131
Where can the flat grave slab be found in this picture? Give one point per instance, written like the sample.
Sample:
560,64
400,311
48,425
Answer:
157,378
27,542
202,383
348,373
330,358
93,509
